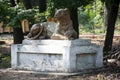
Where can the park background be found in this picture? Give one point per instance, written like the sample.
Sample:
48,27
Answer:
97,20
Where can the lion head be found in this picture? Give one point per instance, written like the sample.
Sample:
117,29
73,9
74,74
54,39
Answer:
62,14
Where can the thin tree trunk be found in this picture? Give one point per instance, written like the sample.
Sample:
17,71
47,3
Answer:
17,32
112,11
12,3
42,5
18,35
74,17
27,4
18,1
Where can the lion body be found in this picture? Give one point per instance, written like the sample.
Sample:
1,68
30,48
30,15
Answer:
61,30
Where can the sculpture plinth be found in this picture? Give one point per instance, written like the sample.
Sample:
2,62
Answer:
56,55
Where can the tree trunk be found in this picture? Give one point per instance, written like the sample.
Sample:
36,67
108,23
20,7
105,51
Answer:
27,4
105,16
112,11
17,32
18,1
74,17
18,35
42,5
12,3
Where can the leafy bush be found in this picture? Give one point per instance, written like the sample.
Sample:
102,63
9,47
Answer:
57,4
14,15
91,17
4,61
4,11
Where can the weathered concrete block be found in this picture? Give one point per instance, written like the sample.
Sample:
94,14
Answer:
56,55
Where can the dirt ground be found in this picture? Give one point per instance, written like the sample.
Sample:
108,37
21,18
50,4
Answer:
106,73
110,71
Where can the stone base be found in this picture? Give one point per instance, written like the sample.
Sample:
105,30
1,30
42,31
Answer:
56,55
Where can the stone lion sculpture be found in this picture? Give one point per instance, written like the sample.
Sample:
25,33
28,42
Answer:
65,26
60,29
42,30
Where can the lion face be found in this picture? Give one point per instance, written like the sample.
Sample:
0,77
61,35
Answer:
61,14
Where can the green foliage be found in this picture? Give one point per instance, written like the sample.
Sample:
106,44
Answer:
17,15
3,11
4,61
50,8
57,4
69,3
91,17
14,15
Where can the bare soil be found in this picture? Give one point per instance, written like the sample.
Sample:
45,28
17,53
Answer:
106,73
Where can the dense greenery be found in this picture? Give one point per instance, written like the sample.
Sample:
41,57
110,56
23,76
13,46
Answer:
69,4
4,60
12,16
57,4
91,17
4,11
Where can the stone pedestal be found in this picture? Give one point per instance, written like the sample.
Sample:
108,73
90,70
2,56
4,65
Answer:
56,55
